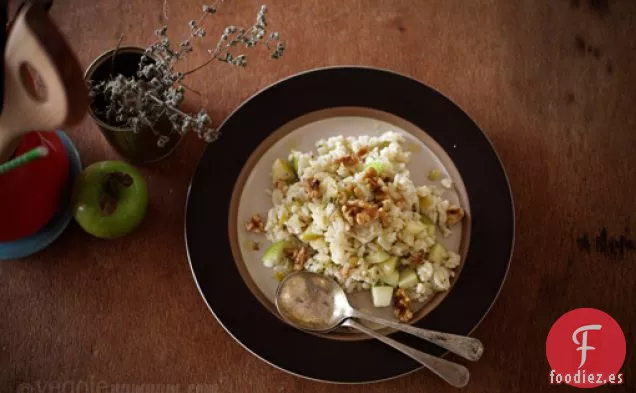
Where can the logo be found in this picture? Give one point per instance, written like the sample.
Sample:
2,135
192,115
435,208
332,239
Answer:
586,348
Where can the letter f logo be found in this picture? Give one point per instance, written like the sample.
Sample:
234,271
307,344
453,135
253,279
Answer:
584,347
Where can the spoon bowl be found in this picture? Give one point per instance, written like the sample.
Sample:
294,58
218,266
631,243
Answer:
312,302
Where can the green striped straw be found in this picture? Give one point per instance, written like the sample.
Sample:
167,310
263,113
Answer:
31,155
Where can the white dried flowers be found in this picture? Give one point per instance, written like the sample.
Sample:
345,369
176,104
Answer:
155,93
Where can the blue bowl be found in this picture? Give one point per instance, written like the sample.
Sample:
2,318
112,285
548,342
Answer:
47,235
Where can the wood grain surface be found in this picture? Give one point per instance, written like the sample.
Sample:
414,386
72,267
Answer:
551,82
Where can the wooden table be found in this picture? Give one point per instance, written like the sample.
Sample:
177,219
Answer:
552,83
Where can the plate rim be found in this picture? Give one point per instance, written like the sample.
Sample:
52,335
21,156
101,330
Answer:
395,73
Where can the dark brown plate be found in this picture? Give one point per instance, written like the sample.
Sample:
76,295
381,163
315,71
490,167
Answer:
208,239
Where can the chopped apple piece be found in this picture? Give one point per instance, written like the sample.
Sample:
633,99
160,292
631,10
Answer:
437,253
382,296
429,227
293,160
377,257
279,276
391,279
308,236
282,171
275,253
380,167
414,227
388,266
425,203
434,174
408,278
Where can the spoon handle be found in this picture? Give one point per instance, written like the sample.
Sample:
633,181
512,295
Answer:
467,347
453,373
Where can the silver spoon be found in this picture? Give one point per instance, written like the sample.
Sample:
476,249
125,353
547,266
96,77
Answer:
467,347
313,302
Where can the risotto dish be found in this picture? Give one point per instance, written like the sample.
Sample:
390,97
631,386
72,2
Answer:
350,211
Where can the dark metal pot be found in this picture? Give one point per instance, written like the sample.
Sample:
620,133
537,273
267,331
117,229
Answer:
140,147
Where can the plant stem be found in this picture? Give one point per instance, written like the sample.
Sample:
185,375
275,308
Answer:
112,66
155,99
179,54
214,55
199,67
190,89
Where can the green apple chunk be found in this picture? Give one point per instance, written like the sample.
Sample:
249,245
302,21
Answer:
275,253
408,278
109,199
425,220
377,257
389,265
382,296
429,227
425,203
431,230
434,174
380,167
437,253
309,235
414,227
293,161
282,171
391,279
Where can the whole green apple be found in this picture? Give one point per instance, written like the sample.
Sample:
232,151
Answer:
109,199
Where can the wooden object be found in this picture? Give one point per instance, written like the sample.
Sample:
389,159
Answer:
34,43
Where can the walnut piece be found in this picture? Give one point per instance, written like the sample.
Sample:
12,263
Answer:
417,258
300,255
383,212
377,185
349,160
312,186
342,198
255,224
454,214
384,218
347,213
402,303
357,192
370,173
382,193
360,212
363,218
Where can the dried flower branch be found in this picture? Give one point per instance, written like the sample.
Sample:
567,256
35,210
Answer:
156,92
112,64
